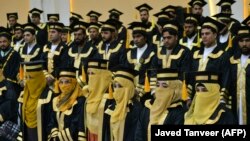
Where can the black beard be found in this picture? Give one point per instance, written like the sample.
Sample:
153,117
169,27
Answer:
191,35
6,49
247,52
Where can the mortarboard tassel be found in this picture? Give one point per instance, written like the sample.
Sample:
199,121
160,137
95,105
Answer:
56,86
83,75
21,72
127,41
184,90
68,37
230,44
198,39
110,91
146,83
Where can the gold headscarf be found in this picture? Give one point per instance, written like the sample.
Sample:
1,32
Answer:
164,97
98,84
69,94
122,97
34,86
204,104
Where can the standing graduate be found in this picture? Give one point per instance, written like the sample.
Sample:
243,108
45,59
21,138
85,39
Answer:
240,76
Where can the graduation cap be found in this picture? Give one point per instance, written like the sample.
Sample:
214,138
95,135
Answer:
98,63
30,27
66,29
218,26
56,25
4,32
167,74
32,66
169,8
162,14
242,32
111,24
246,21
35,12
18,26
56,17
191,18
94,14
201,3
223,16
206,77
226,3
115,14
124,72
75,16
144,7
12,15
67,72
171,24
94,25
138,27
79,25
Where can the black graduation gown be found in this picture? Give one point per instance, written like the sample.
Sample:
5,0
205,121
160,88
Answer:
116,53
130,121
10,66
35,53
122,34
15,46
157,40
235,83
151,31
8,103
195,45
42,34
71,120
58,58
226,117
148,62
218,61
179,59
44,108
174,117
93,43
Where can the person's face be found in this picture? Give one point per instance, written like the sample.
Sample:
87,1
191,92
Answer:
35,19
93,19
93,33
4,43
208,37
244,44
28,37
107,35
79,36
54,35
139,40
197,10
18,34
161,84
12,21
201,89
169,40
117,85
144,16
64,37
189,29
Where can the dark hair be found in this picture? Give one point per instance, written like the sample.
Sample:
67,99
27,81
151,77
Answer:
8,36
191,22
143,33
107,29
170,31
32,31
209,27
